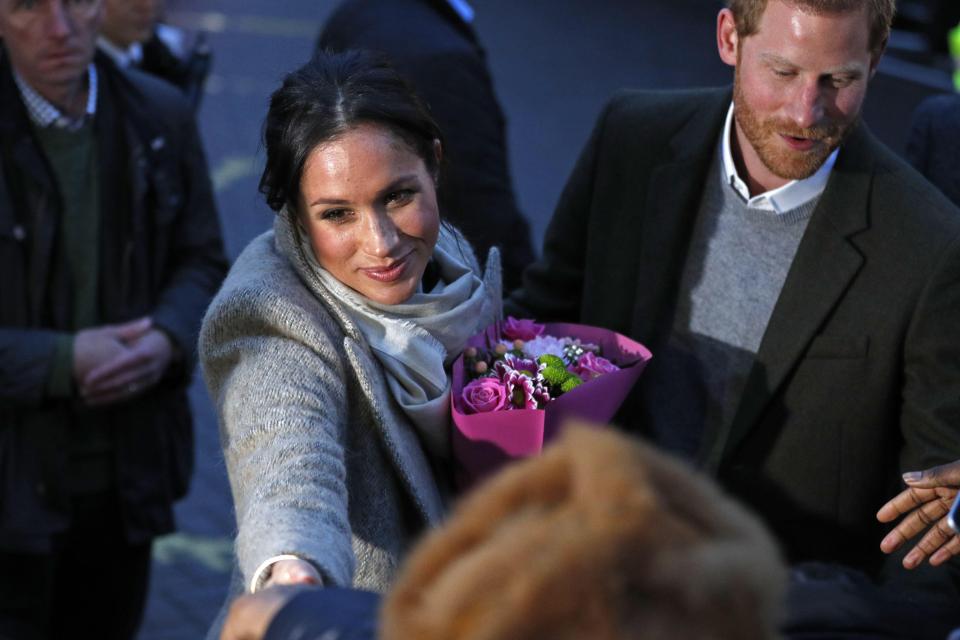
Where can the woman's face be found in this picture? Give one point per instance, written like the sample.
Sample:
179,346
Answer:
369,206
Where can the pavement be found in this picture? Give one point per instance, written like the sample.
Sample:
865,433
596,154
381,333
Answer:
554,63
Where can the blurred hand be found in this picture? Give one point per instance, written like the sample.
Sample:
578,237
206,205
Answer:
924,504
250,615
293,572
138,367
94,347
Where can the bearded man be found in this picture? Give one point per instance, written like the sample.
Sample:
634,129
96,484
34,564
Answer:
798,284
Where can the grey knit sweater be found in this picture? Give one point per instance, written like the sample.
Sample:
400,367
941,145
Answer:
737,263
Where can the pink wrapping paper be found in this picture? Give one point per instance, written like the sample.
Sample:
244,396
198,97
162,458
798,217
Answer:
483,442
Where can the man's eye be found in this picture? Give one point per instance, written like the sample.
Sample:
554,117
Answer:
400,197
783,73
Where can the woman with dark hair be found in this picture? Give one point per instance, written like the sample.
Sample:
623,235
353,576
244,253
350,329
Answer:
327,351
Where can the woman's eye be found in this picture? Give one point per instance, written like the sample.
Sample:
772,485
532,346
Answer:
335,215
400,197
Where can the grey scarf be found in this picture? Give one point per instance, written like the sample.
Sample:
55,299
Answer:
417,341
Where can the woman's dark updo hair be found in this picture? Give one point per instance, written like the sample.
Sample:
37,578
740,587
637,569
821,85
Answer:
327,97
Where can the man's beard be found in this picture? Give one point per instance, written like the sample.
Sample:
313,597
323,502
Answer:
783,162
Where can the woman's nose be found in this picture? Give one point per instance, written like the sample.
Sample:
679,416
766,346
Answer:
380,235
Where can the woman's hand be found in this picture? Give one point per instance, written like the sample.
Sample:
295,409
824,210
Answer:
293,572
925,503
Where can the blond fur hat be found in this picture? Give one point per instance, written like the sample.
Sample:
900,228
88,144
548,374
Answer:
600,538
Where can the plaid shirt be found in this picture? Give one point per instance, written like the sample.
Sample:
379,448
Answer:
43,114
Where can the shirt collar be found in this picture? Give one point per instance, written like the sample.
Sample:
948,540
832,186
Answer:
463,9
782,199
124,58
44,114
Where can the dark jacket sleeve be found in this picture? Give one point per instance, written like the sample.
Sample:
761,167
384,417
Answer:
345,614
27,359
197,254
552,288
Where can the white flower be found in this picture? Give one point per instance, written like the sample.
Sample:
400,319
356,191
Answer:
543,344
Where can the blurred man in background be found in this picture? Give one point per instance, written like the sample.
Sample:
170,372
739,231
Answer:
133,35
110,251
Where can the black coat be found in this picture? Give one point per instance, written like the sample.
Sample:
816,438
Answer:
440,54
161,255
934,143
857,378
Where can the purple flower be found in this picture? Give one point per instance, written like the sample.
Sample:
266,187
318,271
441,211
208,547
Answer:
590,366
543,344
521,329
520,390
484,395
522,364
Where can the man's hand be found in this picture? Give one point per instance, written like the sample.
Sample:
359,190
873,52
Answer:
139,366
250,615
925,503
95,347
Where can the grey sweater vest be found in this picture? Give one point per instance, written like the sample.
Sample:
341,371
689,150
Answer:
735,267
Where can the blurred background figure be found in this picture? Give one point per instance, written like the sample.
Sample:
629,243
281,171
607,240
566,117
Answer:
933,147
110,251
433,44
602,537
133,35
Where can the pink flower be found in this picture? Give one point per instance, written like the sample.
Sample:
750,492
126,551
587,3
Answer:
484,395
521,329
590,366
520,390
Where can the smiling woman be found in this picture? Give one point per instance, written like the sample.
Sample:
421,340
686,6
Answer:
328,350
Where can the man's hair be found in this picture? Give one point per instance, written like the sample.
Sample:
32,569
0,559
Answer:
747,14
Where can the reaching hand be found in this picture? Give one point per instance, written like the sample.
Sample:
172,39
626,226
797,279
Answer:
135,368
293,572
924,503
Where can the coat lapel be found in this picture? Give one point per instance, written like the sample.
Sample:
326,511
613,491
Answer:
400,441
823,269
674,189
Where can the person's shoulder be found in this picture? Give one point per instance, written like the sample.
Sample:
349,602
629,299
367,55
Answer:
154,97
942,109
904,200
263,289
679,104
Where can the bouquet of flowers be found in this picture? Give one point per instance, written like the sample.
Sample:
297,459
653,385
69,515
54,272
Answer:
518,381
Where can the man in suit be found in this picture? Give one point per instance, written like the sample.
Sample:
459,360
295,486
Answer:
132,34
798,284
934,143
110,251
434,45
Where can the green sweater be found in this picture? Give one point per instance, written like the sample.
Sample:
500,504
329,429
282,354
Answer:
73,158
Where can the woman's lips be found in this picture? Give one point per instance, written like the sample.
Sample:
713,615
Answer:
389,273
798,144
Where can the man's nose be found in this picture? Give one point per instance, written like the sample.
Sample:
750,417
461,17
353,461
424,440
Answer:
380,234
807,107
58,21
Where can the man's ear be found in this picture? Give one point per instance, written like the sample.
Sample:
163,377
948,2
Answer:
728,40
